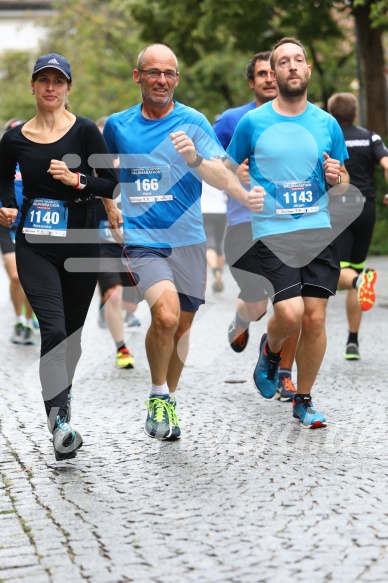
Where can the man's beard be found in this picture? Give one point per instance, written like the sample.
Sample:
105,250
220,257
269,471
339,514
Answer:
292,92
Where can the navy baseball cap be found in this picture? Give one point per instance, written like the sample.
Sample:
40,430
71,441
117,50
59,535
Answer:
55,61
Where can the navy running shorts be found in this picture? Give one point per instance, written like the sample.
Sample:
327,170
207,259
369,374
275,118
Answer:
7,239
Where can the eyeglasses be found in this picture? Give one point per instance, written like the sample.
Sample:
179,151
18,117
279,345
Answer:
155,73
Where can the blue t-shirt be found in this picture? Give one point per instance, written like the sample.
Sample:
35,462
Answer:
18,194
160,193
224,127
286,158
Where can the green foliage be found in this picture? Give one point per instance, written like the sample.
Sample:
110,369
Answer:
214,37
15,92
378,11
101,43
379,245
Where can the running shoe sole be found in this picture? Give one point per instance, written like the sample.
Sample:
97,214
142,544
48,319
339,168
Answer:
315,425
171,437
61,456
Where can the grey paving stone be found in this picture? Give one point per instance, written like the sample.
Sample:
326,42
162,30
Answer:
245,496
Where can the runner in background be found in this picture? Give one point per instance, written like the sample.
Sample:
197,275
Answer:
366,150
23,328
114,284
213,204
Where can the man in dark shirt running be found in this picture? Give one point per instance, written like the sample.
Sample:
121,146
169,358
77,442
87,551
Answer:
366,149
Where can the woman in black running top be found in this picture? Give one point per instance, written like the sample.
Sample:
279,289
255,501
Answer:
64,162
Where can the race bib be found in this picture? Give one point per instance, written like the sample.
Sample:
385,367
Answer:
297,197
105,232
149,184
46,217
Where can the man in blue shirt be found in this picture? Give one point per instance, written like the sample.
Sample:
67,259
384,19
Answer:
252,299
294,150
166,149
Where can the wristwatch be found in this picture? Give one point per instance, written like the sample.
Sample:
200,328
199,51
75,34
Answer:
82,181
198,160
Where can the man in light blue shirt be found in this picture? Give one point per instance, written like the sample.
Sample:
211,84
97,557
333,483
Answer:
296,152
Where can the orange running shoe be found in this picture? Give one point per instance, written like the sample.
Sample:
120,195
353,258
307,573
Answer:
238,337
365,289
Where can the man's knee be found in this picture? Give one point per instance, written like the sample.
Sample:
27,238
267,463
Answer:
289,313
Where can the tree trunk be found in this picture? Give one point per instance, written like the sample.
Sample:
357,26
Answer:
373,83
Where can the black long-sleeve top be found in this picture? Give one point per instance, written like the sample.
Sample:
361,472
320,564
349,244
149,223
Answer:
74,148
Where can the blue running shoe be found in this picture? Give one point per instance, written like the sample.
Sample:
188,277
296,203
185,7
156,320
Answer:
303,411
162,421
131,321
266,373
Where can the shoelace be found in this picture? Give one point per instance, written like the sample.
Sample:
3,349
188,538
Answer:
157,408
367,281
239,337
124,353
288,384
272,368
306,403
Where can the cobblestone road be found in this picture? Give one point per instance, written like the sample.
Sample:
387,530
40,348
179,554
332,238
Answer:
245,496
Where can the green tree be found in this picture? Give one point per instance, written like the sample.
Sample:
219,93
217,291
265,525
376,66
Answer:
206,30
15,93
213,39
371,18
101,43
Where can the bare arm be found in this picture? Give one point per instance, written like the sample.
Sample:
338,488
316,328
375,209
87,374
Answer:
211,171
219,174
335,174
253,199
115,219
384,163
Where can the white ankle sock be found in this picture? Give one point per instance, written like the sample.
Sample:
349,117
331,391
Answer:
160,390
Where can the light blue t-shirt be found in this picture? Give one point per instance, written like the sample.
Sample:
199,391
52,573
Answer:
286,159
224,127
160,193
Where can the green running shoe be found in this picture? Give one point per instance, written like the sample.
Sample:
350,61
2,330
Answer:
162,421
18,334
352,351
